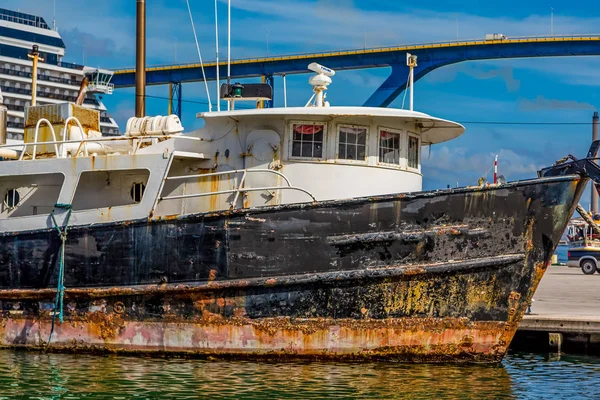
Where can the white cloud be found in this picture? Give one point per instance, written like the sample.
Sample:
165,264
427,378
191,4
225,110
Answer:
463,162
542,103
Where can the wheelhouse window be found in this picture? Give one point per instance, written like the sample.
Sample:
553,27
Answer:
413,152
389,147
307,140
352,143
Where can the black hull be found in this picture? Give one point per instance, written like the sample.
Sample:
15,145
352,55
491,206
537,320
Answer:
433,276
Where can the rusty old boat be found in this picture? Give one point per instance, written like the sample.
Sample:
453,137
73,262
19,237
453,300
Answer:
279,233
200,244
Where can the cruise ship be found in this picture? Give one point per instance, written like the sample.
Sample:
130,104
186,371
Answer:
58,81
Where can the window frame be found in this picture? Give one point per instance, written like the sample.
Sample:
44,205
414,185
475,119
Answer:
8,211
291,140
418,137
133,204
337,144
403,161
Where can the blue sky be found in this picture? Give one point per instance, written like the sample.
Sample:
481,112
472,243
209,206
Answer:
563,90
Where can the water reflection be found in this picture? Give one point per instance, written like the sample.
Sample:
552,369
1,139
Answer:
53,376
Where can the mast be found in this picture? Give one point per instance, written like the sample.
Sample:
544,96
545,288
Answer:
217,50
228,51
35,55
411,62
140,60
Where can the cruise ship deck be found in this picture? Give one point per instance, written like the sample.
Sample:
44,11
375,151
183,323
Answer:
58,81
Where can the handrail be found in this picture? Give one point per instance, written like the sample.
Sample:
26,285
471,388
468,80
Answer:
185,196
108,139
99,139
233,171
67,134
239,189
35,142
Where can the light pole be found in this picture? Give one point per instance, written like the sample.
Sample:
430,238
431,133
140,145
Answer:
551,21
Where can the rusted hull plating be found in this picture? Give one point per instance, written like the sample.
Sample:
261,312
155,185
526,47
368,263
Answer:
438,276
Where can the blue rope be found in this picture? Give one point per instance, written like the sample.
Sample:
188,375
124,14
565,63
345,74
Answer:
60,289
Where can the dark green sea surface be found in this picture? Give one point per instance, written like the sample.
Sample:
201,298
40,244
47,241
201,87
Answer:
29,375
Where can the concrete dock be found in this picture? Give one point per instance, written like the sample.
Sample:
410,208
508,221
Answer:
565,315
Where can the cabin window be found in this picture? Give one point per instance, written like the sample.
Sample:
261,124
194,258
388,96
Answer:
389,147
307,140
413,152
12,198
352,143
137,191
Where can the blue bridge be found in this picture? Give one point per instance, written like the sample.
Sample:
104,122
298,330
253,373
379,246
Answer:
430,57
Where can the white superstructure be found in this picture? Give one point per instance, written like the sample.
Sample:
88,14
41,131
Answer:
239,159
58,81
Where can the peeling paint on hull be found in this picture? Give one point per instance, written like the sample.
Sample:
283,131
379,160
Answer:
476,342
434,276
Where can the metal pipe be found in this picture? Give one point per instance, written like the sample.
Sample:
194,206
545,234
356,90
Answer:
411,62
83,88
35,55
217,51
228,191
35,137
230,102
411,81
170,108
233,171
261,103
594,205
284,91
228,42
140,60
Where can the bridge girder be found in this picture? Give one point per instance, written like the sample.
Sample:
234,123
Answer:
430,57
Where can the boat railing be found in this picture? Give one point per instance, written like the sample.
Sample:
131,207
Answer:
240,187
83,141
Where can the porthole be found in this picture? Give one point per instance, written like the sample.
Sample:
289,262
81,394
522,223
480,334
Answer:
137,191
12,198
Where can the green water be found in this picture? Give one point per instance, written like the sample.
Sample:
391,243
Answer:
28,375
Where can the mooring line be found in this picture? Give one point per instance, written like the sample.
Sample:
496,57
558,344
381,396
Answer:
60,288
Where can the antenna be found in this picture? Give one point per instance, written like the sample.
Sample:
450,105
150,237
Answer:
199,55
217,50
54,17
228,48
319,83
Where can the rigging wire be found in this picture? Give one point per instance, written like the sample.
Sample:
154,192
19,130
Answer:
405,89
199,55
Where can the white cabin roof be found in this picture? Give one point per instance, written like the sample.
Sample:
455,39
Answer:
434,130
